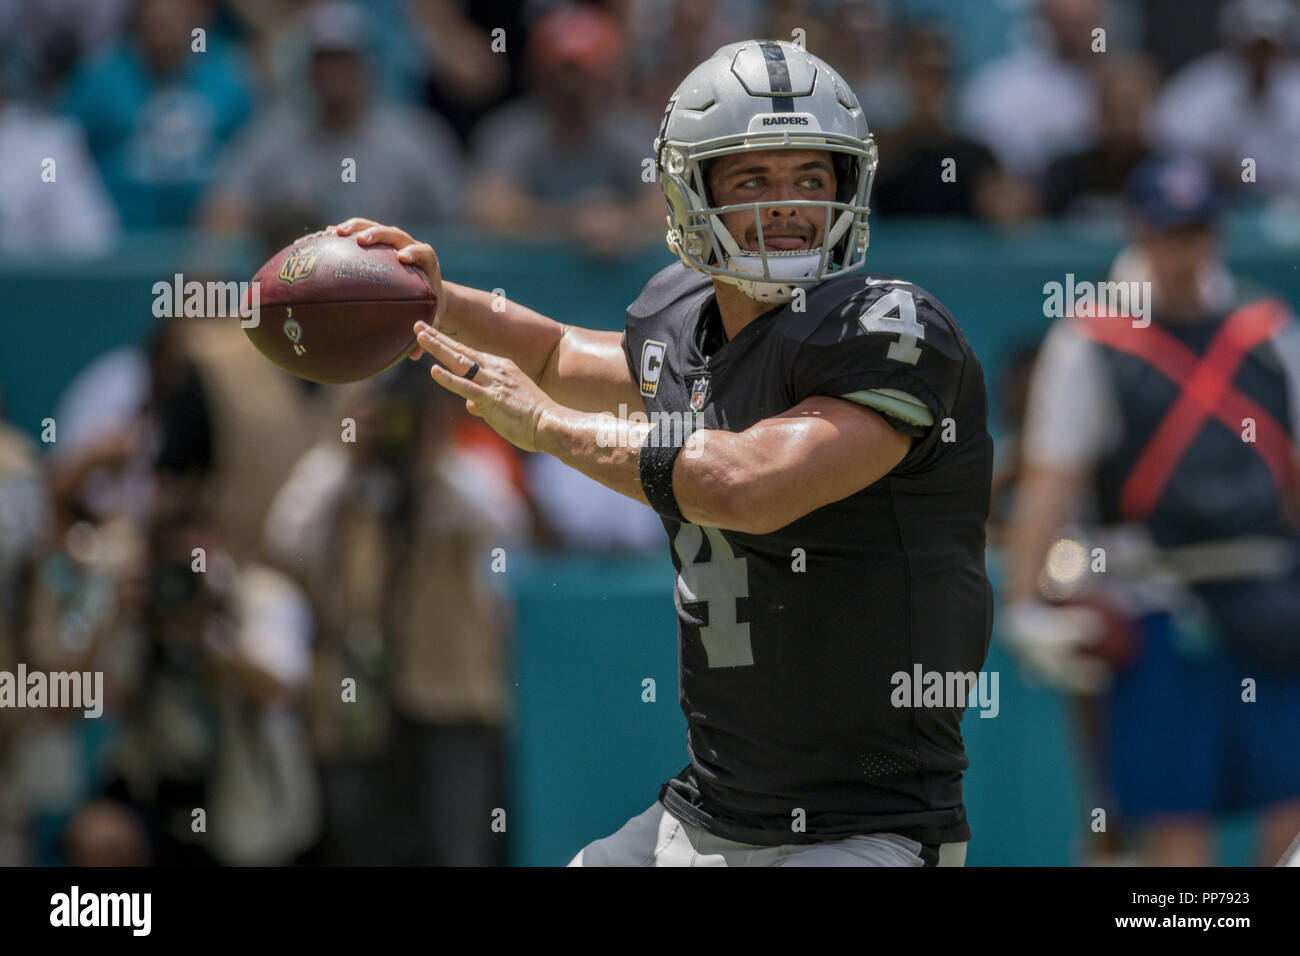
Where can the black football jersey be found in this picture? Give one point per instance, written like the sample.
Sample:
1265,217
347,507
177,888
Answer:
789,641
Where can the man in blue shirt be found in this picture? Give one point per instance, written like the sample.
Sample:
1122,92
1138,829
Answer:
156,112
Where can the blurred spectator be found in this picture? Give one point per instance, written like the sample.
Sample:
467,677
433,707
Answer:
106,833
1033,105
1086,713
47,38
1181,434
23,526
1176,32
675,36
568,161
78,612
913,156
396,535
198,415
1011,399
211,718
1242,101
260,421
83,608
24,517
156,114
349,154
1091,181
467,75
101,465
197,418
272,32
605,522
862,44
70,214
792,19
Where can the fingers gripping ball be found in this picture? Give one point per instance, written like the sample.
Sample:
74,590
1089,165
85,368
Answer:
336,311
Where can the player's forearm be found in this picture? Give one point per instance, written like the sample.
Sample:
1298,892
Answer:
718,480
579,368
492,323
603,447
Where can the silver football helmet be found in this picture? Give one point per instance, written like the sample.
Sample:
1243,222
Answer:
753,95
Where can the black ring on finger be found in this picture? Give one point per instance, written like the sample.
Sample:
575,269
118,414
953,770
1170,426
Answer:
471,372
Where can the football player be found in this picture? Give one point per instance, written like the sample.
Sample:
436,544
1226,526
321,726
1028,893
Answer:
826,517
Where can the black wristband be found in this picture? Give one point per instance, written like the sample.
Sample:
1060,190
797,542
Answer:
656,464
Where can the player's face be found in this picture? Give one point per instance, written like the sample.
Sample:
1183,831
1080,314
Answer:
775,175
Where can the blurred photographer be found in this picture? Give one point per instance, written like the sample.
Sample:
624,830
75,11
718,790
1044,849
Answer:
211,723
394,533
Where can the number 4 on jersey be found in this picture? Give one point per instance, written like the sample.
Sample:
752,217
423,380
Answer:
717,583
878,318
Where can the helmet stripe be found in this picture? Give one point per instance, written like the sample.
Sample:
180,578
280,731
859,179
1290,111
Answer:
778,76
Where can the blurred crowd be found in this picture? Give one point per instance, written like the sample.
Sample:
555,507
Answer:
534,118
291,596
238,552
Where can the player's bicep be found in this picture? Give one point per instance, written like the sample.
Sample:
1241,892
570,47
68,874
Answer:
820,451
588,371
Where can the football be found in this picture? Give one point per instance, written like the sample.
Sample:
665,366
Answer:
333,311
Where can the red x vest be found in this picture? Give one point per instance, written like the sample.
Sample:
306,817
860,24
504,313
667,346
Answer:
1205,418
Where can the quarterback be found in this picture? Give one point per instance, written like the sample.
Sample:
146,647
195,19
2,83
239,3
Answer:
827,522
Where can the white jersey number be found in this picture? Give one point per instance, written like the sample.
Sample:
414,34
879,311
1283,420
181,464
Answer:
717,582
904,325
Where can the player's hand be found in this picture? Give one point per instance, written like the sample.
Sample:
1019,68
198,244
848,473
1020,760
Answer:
1050,641
419,254
500,393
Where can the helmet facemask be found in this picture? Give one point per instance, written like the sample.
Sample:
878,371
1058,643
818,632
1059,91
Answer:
697,233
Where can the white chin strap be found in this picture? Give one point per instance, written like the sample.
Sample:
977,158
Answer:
797,268
788,270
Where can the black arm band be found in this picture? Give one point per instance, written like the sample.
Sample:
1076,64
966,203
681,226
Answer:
656,463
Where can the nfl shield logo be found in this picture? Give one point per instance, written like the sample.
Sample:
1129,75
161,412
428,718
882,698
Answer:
298,265
699,393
